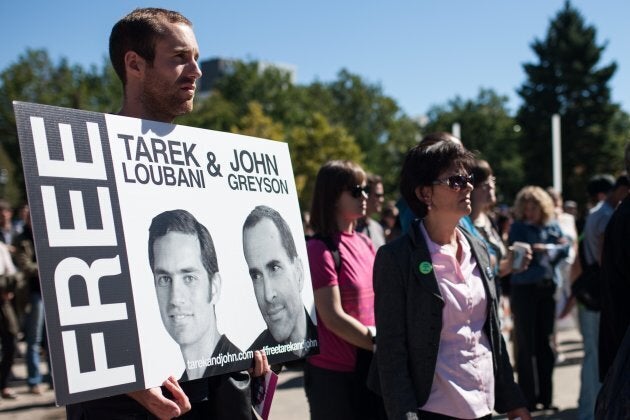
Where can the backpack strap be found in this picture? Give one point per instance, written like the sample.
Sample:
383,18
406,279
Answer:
332,248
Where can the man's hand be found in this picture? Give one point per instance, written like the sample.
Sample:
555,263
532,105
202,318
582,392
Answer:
261,365
160,406
519,413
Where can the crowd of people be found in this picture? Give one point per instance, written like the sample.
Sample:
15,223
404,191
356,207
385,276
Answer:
21,310
465,275
413,297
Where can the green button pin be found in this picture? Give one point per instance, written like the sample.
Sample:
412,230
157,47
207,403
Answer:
425,267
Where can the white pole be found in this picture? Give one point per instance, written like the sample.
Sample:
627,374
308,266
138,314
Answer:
556,152
456,130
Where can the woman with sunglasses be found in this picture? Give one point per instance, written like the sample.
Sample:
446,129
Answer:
341,271
440,353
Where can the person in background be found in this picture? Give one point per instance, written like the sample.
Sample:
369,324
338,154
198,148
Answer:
7,232
570,207
615,278
589,319
23,212
34,323
483,200
390,221
367,225
335,379
532,293
440,353
563,268
9,326
306,224
481,222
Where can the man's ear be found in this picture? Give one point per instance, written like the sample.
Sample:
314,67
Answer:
300,273
134,64
424,194
215,287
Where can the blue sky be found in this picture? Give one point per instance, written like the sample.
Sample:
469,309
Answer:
422,52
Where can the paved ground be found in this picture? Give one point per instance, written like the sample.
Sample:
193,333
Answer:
290,401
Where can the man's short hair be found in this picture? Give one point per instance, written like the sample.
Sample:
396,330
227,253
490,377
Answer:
600,184
139,32
622,181
182,221
264,212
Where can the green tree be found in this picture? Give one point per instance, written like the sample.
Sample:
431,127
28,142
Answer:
567,80
368,115
382,132
271,87
257,124
311,145
487,129
35,78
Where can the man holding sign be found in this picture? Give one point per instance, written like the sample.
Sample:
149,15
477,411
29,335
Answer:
155,52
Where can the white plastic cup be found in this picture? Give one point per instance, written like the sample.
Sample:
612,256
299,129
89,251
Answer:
520,249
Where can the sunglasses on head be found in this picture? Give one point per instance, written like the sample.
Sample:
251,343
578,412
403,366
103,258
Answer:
456,182
357,191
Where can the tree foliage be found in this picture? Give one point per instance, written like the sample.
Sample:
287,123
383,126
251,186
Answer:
568,80
488,129
314,143
35,78
368,126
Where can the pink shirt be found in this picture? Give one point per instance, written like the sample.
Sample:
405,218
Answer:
463,383
356,290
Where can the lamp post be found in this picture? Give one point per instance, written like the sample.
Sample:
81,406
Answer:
556,152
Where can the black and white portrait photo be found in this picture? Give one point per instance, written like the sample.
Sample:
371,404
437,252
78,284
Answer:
277,275
187,284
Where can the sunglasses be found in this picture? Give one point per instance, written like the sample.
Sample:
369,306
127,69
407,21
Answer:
357,191
456,182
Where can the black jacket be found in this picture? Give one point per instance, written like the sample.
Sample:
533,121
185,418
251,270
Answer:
408,309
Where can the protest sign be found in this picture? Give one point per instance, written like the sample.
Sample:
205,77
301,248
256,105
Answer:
147,266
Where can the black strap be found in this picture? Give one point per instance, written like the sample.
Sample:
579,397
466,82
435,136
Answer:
332,247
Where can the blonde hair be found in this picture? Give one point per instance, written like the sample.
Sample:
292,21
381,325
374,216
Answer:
537,196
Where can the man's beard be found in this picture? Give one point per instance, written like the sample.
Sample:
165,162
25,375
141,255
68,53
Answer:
162,100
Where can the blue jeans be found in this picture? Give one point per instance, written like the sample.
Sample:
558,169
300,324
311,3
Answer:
34,333
589,376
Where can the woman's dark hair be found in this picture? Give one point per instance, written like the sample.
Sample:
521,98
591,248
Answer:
333,178
481,171
426,161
